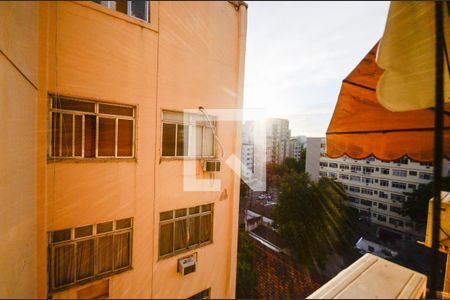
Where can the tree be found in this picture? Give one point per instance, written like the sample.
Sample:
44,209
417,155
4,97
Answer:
246,274
416,204
312,218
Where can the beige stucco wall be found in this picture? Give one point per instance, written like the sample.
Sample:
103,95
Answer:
192,56
18,103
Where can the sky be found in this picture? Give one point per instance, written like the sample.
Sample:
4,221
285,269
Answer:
298,53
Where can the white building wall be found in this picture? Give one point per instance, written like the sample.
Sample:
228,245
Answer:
375,188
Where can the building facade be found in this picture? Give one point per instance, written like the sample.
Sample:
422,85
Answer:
248,160
92,187
375,188
296,144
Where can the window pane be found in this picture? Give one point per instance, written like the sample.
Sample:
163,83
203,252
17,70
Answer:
182,140
83,231
194,230
66,137
198,140
209,142
168,140
89,136
124,223
125,138
55,133
105,253
115,110
205,228
61,235
78,135
180,213
122,6
85,259
121,250
166,215
166,239
206,207
104,227
180,234
106,136
194,210
138,9
64,265
62,103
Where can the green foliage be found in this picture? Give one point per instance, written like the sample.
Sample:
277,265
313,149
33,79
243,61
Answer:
312,218
416,204
246,274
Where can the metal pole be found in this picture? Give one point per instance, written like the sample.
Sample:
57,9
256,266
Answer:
438,148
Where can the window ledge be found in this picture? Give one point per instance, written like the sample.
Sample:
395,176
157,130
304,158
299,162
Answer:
184,251
89,160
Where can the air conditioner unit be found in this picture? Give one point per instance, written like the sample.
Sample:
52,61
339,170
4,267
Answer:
211,165
187,265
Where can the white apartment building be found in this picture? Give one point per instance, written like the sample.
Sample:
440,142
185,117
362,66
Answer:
375,188
295,146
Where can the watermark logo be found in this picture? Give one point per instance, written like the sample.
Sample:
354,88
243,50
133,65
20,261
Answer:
213,135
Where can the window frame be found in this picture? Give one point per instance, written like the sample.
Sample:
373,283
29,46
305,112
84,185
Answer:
97,114
188,216
190,125
108,4
52,246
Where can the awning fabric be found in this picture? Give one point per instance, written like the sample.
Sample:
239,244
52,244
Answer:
407,54
361,127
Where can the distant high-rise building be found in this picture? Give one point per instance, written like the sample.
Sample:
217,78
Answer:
296,144
375,188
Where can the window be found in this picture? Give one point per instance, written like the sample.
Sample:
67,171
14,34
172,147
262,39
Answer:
186,135
403,160
344,167
412,186
368,170
135,8
184,229
412,173
89,252
366,191
399,185
395,222
343,176
397,197
84,129
384,171
383,195
401,173
370,249
367,180
353,199
384,182
333,175
355,178
333,165
395,209
205,294
381,218
355,169
323,164
345,187
366,202
354,189
426,176
382,206
323,174
427,164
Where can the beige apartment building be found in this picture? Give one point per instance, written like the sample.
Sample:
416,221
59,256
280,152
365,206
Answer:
94,142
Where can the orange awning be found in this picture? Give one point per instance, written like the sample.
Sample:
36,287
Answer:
361,127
